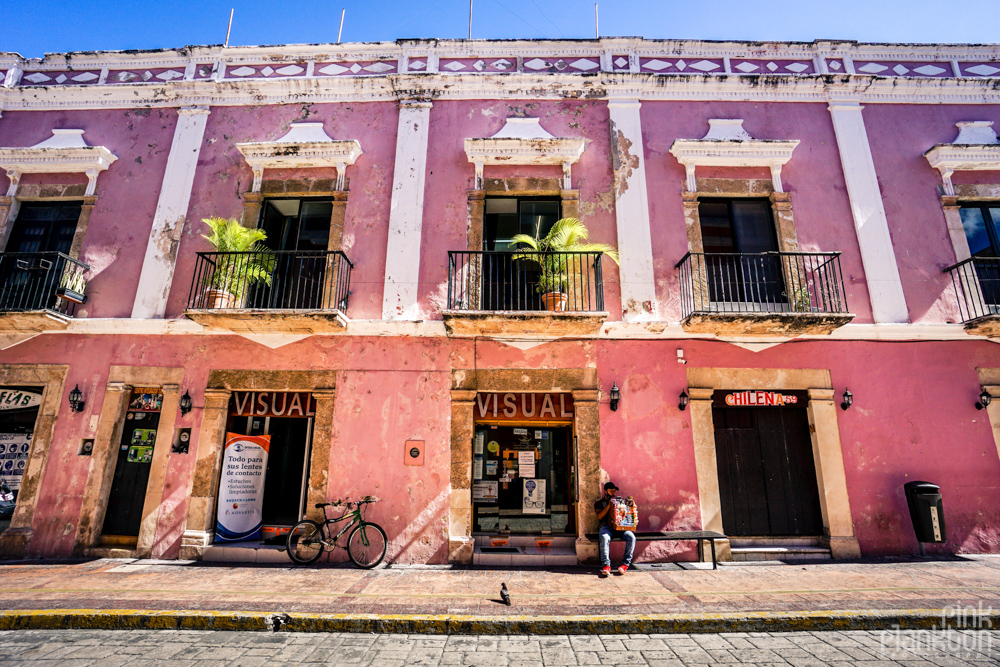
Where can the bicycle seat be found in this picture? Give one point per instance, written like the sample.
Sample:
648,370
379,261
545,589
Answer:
320,506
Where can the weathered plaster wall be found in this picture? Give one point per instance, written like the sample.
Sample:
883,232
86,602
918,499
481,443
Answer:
813,177
119,225
223,176
899,135
450,177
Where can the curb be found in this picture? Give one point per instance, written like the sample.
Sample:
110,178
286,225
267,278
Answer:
763,621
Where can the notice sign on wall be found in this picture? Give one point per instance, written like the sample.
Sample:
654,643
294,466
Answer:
533,496
241,490
14,448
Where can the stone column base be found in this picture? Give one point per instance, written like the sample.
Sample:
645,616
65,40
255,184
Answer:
586,551
723,552
14,543
843,547
193,544
460,549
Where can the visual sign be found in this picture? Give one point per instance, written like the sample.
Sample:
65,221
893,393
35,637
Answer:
524,406
241,490
14,448
19,399
272,404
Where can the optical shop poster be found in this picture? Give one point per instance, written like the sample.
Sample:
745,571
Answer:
241,490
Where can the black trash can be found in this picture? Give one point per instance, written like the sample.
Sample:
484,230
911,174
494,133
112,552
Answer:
926,512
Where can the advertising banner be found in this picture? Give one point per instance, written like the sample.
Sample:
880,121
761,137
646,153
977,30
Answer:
241,489
533,499
14,449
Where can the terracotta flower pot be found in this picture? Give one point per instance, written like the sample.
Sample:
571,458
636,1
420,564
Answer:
554,301
216,298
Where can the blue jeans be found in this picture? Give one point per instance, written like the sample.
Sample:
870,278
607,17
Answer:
604,545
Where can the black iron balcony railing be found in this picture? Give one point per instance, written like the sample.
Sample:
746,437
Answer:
525,280
769,282
977,287
271,280
33,281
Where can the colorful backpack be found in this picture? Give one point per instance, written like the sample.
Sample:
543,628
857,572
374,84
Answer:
624,514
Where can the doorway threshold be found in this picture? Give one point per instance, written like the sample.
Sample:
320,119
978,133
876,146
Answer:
245,552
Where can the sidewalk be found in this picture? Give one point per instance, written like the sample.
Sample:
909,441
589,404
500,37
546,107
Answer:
869,594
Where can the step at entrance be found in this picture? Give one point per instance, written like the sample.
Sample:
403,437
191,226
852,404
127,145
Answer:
745,549
523,550
567,541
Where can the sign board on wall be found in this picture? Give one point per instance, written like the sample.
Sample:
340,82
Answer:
14,448
533,496
760,399
272,404
12,398
241,489
524,406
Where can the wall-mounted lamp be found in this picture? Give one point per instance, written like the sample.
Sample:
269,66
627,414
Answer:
76,400
684,401
185,404
984,400
616,396
848,400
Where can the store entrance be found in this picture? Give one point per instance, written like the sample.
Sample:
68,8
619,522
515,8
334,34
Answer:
18,411
522,480
123,516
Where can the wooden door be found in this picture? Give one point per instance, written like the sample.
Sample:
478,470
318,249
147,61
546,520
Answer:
767,476
128,487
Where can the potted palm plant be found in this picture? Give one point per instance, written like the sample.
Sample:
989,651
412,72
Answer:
550,253
242,260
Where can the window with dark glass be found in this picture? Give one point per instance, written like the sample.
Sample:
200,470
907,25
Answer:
44,227
34,262
509,284
980,222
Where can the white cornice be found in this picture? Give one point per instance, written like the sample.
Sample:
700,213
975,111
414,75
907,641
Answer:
64,152
728,145
305,145
963,154
524,141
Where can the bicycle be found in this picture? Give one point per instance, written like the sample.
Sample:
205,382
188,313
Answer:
366,544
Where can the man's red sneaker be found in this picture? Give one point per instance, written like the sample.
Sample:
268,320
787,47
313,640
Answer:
623,569
606,571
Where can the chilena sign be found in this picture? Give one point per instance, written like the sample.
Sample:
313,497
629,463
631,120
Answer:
18,399
524,406
745,399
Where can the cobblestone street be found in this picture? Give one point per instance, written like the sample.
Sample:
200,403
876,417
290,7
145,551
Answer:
77,648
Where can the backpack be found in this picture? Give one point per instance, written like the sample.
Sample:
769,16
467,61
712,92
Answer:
624,514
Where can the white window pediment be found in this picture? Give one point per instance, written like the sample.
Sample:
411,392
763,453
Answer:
305,146
976,148
65,152
524,141
727,144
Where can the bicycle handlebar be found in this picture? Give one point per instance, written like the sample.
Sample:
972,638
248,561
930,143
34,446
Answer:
358,503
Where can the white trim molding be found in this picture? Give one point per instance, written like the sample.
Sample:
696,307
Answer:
64,152
305,145
976,148
727,144
524,141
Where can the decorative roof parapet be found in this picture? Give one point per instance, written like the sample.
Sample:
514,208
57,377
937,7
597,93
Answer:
976,148
305,145
524,141
727,144
64,152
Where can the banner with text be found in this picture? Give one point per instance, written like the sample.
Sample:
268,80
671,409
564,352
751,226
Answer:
241,490
14,448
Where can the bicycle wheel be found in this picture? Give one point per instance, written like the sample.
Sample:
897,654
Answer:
305,542
367,544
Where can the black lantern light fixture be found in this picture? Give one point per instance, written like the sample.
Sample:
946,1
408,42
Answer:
76,400
616,395
684,400
848,400
185,403
984,400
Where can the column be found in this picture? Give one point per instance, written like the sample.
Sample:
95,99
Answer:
884,285
171,210
406,212
200,525
706,466
587,431
830,475
460,544
635,247
319,452
252,202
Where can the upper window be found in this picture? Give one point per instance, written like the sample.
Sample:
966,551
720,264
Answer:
297,224
504,217
980,222
737,225
44,227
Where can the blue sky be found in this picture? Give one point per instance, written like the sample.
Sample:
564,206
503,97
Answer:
40,26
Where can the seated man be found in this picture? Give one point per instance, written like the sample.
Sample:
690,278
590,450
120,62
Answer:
603,509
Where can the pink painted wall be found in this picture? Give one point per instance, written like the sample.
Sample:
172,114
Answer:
127,192
899,135
450,176
223,176
814,177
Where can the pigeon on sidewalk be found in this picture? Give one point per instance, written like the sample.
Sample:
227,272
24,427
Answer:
504,595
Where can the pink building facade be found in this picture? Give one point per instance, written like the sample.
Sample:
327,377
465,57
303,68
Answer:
794,222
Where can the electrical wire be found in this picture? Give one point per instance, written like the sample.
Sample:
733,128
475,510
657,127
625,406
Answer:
522,20
545,16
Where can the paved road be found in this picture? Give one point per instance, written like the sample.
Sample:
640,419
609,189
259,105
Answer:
72,648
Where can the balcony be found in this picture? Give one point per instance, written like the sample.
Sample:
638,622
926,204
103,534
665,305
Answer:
977,287
39,291
762,294
524,293
273,291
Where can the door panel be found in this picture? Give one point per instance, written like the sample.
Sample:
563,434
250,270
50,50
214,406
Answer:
128,487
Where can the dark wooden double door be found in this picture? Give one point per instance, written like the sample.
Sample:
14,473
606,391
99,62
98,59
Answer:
767,475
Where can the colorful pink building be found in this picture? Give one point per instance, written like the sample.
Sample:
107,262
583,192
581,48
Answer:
793,221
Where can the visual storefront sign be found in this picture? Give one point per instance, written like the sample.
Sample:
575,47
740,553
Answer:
14,448
241,490
272,404
760,399
524,406
19,399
